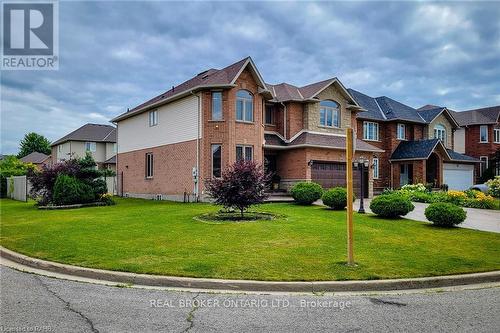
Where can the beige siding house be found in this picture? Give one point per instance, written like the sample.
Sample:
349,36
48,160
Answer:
99,140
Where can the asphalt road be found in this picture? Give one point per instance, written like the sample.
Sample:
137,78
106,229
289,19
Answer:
33,303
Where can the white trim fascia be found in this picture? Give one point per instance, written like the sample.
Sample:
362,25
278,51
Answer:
306,145
275,133
247,62
298,90
169,99
380,109
109,134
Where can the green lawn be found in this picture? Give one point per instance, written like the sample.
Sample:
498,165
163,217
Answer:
309,244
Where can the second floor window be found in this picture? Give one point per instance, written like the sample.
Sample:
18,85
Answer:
244,153
440,133
90,146
153,118
269,114
370,131
496,134
149,165
483,133
114,147
216,105
59,148
244,106
329,114
401,131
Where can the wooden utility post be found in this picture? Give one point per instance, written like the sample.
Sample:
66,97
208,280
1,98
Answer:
349,180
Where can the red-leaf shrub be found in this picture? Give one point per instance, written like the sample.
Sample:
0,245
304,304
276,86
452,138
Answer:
240,186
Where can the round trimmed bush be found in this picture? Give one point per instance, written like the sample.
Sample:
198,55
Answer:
336,198
391,205
445,214
305,193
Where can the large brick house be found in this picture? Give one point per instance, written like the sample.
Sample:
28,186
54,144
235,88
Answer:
479,136
169,145
417,144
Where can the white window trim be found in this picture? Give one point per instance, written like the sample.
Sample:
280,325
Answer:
480,136
154,121
244,113
221,106
244,151
366,131
403,126
377,169
332,110
91,145
438,130
496,135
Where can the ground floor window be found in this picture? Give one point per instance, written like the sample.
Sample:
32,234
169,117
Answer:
149,165
244,153
484,164
375,168
216,160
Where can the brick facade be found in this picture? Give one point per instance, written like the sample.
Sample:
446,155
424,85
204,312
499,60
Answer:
475,148
172,171
229,132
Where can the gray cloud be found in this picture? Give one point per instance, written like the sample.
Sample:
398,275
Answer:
115,55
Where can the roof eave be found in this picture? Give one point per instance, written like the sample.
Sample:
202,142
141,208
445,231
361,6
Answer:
170,99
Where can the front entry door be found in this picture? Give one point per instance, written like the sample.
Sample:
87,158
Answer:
403,174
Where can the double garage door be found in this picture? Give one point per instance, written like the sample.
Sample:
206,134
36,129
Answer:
333,174
458,176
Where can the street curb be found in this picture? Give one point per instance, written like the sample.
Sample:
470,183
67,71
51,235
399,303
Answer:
251,285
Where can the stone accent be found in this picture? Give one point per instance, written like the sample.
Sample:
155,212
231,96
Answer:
311,112
441,119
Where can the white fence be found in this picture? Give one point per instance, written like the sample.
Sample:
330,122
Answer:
111,184
17,188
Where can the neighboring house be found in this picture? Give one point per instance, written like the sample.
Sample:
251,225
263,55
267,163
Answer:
97,139
479,136
169,145
417,144
38,159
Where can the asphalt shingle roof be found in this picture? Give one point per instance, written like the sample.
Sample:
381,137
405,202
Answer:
419,149
90,132
384,108
460,157
314,139
489,115
34,157
368,103
430,113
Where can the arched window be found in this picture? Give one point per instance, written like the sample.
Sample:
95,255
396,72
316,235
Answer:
329,113
244,105
440,133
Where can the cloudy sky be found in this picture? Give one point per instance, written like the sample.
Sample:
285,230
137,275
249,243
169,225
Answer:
115,55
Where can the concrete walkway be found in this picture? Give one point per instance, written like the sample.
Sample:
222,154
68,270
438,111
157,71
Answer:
478,219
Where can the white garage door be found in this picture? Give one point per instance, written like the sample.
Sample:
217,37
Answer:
458,176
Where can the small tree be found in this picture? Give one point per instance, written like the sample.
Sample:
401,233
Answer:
34,142
241,185
11,166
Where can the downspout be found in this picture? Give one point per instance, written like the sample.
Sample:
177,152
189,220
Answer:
284,120
197,185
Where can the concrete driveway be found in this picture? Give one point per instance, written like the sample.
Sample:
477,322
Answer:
478,219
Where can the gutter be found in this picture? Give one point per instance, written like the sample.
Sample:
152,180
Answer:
170,99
